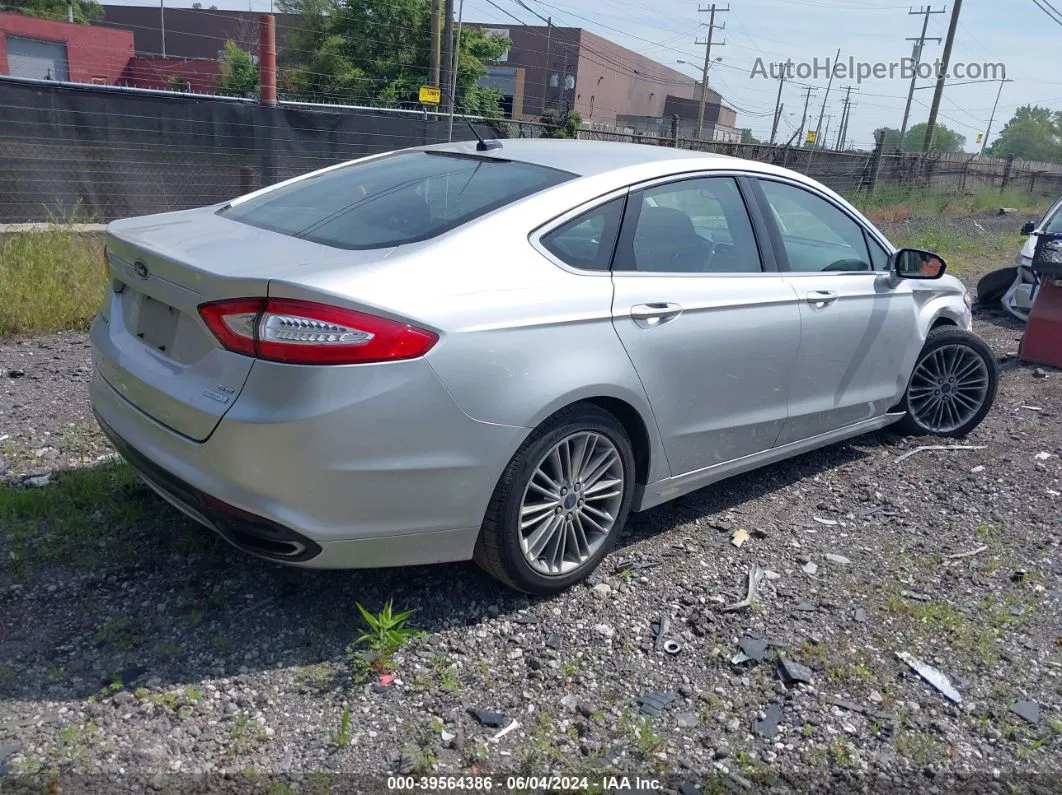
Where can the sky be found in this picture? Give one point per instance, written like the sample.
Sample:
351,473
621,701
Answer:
1014,33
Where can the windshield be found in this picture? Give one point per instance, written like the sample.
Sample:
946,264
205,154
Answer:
396,199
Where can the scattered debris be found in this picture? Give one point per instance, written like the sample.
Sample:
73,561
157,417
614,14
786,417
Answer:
740,781
810,568
633,566
918,596
1038,372
755,576
37,482
1028,408
1019,576
15,373
804,607
771,575
384,683
527,619
977,470
1028,711
860,615
739,537
938,448
511,727
1043,456
839,560
661,627
602,590
653,702
447,738
569,701
5,437
827,522
888,719
487,718
931,675
870,512
752,650
555,641
768,725
969,554
687,720
604,630
673,646
1008,210
793,672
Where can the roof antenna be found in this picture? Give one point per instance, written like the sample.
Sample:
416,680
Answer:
482,146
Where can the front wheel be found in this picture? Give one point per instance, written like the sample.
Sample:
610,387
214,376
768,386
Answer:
560,503
953,385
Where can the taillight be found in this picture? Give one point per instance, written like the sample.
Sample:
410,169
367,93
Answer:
306,332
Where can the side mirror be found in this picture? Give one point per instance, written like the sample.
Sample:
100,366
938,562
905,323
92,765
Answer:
1029,228
914,263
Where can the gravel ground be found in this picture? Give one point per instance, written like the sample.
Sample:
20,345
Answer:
139,652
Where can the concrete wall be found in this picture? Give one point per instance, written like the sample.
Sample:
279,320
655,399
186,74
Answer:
93,55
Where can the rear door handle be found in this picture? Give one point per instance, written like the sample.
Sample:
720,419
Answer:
820,299
654,314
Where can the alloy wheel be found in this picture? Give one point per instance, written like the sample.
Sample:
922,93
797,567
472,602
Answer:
571,503
948,388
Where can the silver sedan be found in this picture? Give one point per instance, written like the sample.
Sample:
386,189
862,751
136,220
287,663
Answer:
496,352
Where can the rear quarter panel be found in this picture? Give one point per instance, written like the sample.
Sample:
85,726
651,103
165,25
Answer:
520,337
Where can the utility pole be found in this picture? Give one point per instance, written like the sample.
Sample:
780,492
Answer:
842,128
436,53
447,54
833,68
777,108
162,24
992,118
942,77
916,58
707,63
804,118
825,131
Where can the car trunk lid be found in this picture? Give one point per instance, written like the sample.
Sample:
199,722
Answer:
154,348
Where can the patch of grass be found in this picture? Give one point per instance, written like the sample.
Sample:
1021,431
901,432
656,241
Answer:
963,250
244,733
73,741
89,515
50,280
117,632
342,736
168,652
570,669
922,748
898,203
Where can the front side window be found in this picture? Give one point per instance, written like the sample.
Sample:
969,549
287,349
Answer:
816,235
397,199
586,242
692,226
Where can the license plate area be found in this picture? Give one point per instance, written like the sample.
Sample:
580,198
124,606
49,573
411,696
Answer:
156,324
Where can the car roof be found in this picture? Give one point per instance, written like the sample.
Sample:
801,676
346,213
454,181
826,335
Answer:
583,158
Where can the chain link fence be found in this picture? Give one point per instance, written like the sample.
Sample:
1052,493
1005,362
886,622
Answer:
94,153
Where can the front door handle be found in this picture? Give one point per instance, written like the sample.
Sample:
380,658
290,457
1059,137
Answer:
820,299
655,314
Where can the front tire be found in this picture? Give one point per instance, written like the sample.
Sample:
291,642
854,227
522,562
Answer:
560,503
953,385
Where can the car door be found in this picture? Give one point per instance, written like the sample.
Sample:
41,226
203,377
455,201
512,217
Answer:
856,323
712,333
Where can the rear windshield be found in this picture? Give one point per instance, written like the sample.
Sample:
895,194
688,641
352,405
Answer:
397,199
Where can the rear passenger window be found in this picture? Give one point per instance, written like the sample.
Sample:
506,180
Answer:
586,242
697,225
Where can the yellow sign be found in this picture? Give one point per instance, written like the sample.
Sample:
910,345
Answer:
980,138
430,95
811,137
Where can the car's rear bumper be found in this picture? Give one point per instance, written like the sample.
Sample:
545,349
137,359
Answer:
324,490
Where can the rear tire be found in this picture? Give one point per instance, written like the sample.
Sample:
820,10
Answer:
570,480
952,387
993,286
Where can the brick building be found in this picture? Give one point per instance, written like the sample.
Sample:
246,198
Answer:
552,67
50,50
